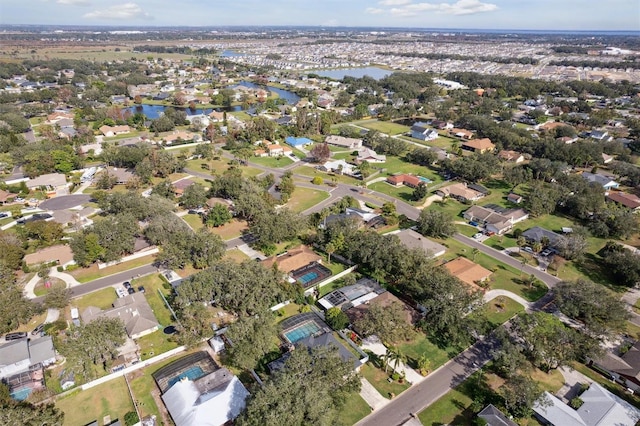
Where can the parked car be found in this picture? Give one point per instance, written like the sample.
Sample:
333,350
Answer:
546,252
127,285
528,249
141,289
131,290
15,336
121,292
4,214
37,330
472,223
477,236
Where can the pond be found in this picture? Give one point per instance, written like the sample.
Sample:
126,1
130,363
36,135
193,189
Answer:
373,72
154,111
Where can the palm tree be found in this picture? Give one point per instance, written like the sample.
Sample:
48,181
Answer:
521,241
395,357
424,364
330,248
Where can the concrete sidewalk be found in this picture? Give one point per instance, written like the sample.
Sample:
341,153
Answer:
371,395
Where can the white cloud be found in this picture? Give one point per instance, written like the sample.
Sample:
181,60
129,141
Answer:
461,7
393,2
74,2
373,11
121,11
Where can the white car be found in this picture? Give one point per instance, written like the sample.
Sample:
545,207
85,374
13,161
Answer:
477,236
121,292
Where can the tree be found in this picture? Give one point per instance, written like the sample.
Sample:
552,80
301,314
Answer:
419,192
194,323
520,393
283,225
252,338
395,357
286,186
310,389
433,223
57,297
11,251
218,215
390,323
194,196
105,180
600,310
424,364
573,245
320,152
14,412
336,318
15,308
623,264
365,169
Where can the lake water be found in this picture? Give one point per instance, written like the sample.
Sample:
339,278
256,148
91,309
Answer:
230,54
154,111
373,72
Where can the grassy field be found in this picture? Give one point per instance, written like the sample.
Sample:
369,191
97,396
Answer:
230,230
108,399
500,309
218,167
403,193
93,273
273,162
236,256
387,127
305,198
312,172
102,299
193,220
420,346
355,408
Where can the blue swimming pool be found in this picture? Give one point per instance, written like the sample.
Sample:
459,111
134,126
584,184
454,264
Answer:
424,179
308,277
303,331
21,394
192,374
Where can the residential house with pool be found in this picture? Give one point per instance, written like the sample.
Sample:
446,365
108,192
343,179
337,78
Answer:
301,265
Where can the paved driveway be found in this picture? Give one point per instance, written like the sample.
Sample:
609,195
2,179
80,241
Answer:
65,202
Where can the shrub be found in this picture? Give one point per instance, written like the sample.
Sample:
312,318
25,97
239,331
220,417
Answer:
317,180
336,319
131,418
60,268
576,403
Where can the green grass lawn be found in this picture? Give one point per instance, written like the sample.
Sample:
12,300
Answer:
420,346
230,230
93,273
305,198
450,409
387,127
153,285
499,310
311,172
379,379
102,299
273,162
83,407
154,344
193,220
354,409
236,256
403,193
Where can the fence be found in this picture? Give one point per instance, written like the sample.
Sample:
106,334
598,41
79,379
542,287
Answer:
330,280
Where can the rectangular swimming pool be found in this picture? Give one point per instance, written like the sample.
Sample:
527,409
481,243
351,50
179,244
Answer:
308,277
193,373
303,331
424,179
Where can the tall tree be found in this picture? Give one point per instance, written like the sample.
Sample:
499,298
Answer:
434,223
252,339
389,323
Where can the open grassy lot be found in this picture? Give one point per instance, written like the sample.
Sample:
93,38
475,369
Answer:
379,379
311,172
387,127
108,399
93,273
230,230
403,193
274,162
236,256
499,310
193,220
154,285
450,409
305,198
355,408
218,167
102,299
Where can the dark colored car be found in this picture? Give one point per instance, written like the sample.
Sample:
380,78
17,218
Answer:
127,285
37,330
15,336
4,215
131,290
141,289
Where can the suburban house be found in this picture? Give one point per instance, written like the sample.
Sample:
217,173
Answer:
600,135
461,133
624,369
181,135
121,176
538,235
461,192
341,141
109,131
479,146
298,142
600,408
514,198
442,125
19,355
61,253
494,417
511,156
423,132
369,219
606,158
56,116
337,166
213,400
293,259
466,271
50,181
630,201
404,179
495,219
276,150
606,182
369,155
349,296
384,300
6,196
180,186
414,240
216,117
134,311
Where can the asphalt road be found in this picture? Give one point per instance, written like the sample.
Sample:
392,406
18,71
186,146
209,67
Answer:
110,280
420,396
64,202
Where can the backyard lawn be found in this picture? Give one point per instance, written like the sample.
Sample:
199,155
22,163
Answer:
403,193
153,284
311,172
102,299
420,346
305,198
108,399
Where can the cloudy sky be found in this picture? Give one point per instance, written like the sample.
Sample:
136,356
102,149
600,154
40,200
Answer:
480,14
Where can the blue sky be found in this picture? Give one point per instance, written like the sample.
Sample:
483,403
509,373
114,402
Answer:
484,14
